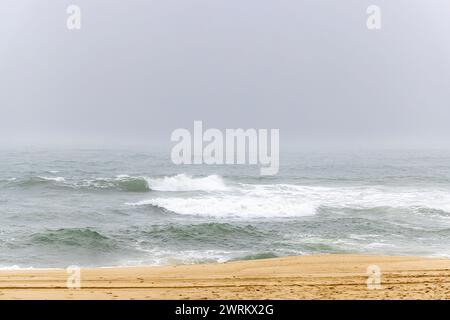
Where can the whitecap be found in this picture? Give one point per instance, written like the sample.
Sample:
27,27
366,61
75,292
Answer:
56,179
233,205
182,182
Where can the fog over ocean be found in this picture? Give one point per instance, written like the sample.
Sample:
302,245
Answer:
86,117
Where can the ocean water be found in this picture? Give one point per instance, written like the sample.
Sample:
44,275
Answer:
128,207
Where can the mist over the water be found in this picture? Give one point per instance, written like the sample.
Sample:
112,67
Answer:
86,118
137,70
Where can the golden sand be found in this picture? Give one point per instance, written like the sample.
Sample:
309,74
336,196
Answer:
306,277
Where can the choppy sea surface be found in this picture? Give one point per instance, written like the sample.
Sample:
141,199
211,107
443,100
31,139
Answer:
128,207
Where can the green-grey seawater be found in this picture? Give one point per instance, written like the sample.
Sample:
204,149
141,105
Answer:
128,207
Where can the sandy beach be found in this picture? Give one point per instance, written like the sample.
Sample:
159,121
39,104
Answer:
306,277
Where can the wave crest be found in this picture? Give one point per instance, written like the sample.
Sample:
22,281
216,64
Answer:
40,180
234,206
121,182
86,238
182,182
281,200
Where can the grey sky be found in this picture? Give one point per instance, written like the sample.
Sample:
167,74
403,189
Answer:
139,69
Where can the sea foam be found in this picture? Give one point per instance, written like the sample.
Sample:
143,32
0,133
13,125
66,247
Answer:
55,179
183,182
284,200
233,206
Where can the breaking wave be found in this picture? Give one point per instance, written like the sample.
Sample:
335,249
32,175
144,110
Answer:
225,206
281,200
121,182
55,179
36,181
182,182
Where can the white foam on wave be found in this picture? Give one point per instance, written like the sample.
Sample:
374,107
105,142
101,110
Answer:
366,197
235,206
182,182
160,256
56,179
283,200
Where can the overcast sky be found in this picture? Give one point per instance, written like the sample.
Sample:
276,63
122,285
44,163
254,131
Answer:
137,70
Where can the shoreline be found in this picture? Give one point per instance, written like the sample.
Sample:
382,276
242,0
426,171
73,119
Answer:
301,277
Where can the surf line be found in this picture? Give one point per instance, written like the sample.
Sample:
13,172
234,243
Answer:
236,146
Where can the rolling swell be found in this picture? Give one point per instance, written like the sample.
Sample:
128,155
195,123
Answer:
119,183
125,183
203,232
38,181
73,237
